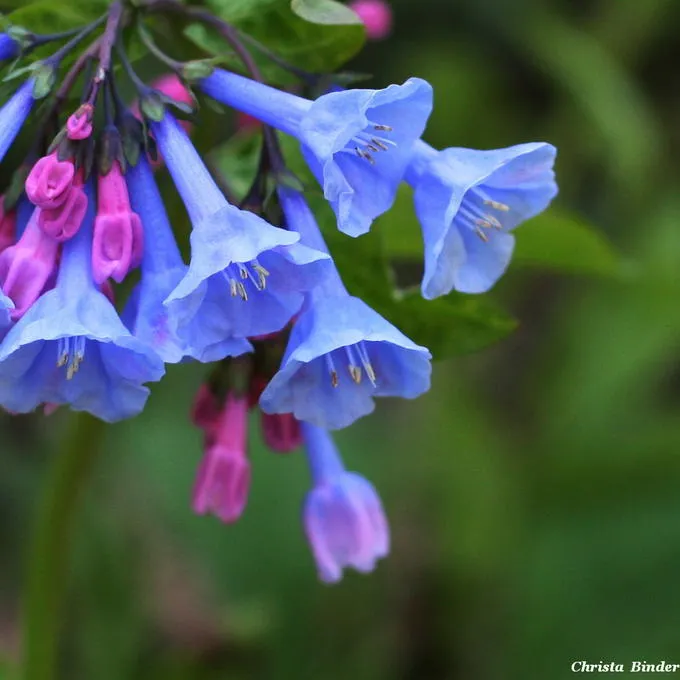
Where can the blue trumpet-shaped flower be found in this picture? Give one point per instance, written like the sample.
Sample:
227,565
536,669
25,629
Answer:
162,269
344,519
341,354
357,143
71,347
9,47
246,277
13,115
468,202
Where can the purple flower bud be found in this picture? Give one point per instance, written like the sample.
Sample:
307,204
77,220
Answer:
344,519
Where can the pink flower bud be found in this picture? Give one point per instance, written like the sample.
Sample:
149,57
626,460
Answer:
376,15
49,181
118,241
26,267
223,479
63,223
79,124
8,224
281,431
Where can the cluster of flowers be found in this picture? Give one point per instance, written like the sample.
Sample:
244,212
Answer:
81,224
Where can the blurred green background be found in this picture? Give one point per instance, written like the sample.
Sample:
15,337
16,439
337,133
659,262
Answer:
533,493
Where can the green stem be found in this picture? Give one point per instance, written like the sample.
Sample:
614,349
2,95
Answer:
47,569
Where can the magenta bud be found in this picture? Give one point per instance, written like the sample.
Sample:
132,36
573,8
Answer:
49,181
118,242
281,431
63,223
26,267
223,479
376,16
79,124
116,246
222,484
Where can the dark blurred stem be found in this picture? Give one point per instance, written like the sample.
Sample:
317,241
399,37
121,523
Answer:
56,58
156,51
307,77
38,40
107,41
139,84
50,549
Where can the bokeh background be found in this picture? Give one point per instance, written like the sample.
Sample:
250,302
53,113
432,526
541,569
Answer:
533,493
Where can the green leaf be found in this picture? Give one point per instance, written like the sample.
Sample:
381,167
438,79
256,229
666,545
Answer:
45,77
450,325
317,48
47,16
560,241
324,12
238,10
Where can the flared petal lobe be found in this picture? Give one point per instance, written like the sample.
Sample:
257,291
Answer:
340,355
358,144
468,202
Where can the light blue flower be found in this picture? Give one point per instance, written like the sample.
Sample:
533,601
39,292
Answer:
246,277
341,353
468,202
344,519
162,269
71,347
356,142
13,115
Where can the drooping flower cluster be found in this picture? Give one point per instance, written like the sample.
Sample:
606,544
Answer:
96,296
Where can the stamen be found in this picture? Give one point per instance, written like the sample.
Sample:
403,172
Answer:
363,354
385,128
496,205
62,352
242,291
380,144
481,234
233,288
330,364
354,370
262,274
71,352
243,271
